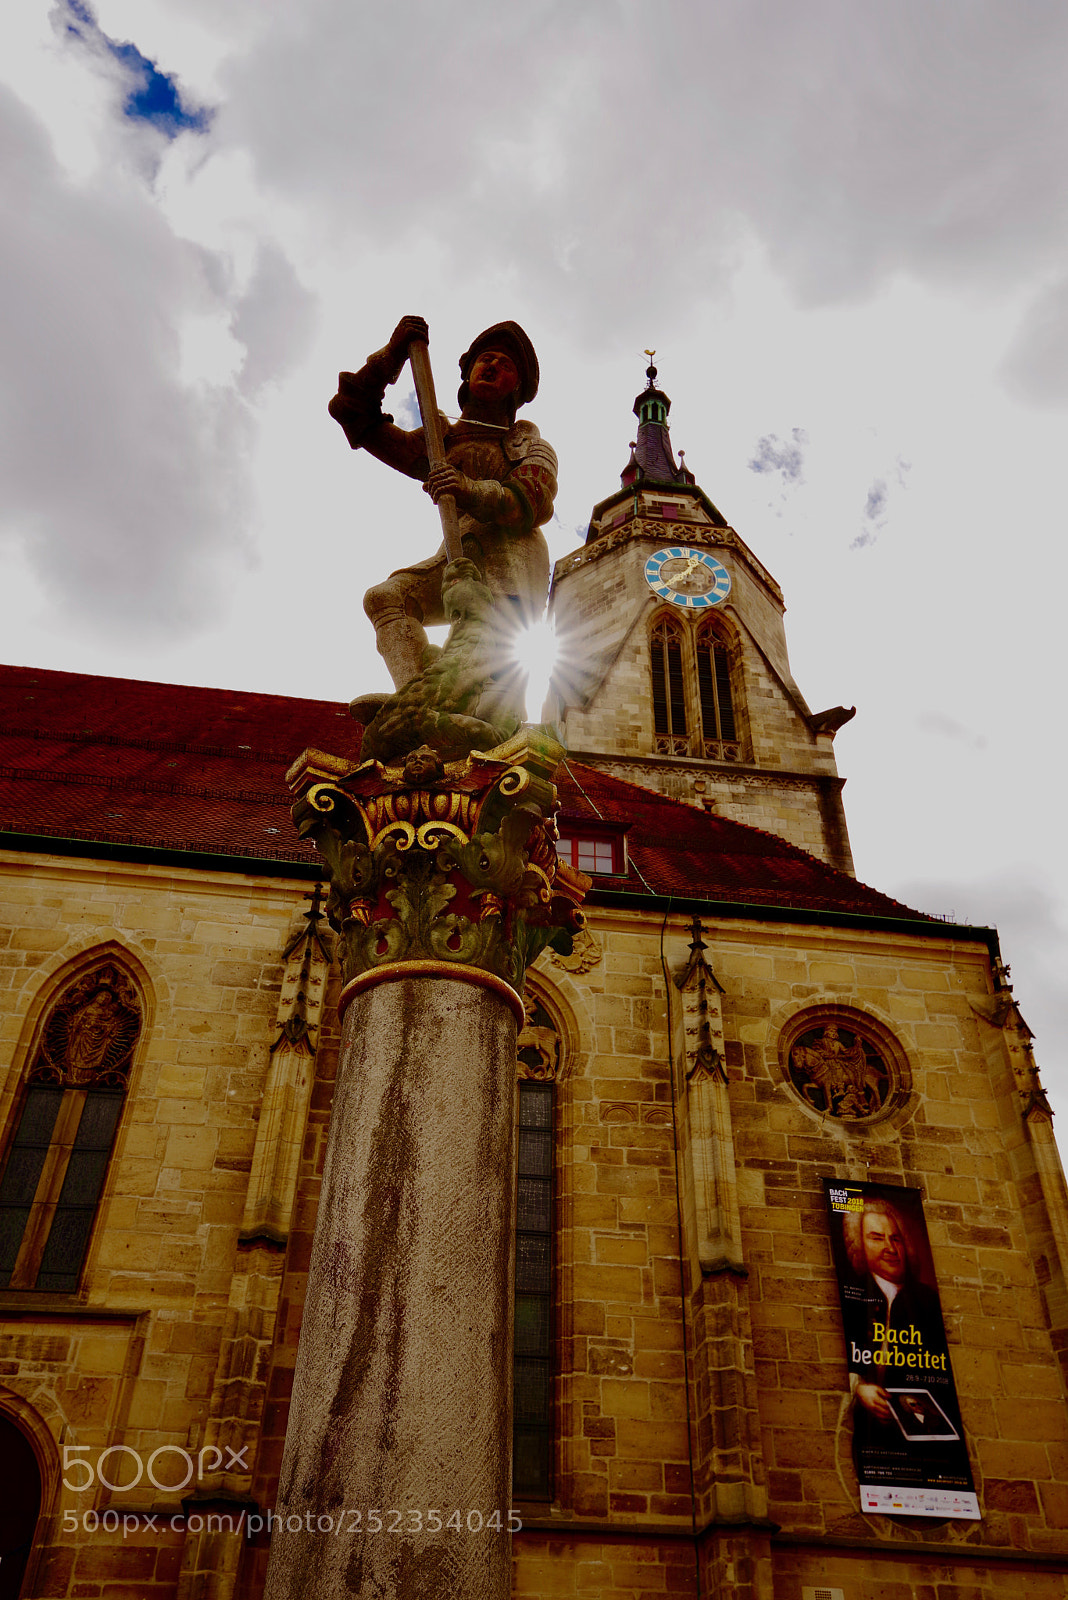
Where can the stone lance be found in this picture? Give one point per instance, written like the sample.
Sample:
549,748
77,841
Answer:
419,356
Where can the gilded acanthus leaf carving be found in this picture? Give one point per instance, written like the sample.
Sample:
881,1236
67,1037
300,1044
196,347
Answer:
462,868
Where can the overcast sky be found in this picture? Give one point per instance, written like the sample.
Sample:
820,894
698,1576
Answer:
843,227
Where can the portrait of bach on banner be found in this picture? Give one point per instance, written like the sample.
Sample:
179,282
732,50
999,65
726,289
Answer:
908,1442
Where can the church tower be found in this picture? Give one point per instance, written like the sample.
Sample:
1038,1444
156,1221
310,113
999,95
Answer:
674,669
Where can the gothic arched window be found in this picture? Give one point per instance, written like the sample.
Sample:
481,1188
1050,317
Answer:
58,1157
670,735
719,723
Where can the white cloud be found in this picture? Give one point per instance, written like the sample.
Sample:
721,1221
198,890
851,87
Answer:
943,727
1036,366
274,320
579,142
1034,941
124,487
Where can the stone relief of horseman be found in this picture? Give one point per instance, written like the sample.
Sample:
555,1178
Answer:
839,1079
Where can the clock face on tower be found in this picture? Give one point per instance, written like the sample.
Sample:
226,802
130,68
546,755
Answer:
689,578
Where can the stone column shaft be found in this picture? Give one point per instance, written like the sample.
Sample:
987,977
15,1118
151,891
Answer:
402,1395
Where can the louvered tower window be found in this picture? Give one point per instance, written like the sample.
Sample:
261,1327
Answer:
719,727
670,736
533,1375
58,1157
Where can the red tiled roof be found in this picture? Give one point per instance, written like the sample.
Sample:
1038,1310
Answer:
157,764
675,849
111,760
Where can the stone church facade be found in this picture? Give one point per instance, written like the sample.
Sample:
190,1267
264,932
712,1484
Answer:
741,1023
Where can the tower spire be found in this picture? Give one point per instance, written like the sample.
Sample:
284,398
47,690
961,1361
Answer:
651,459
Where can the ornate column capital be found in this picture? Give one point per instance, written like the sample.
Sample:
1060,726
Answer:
451,863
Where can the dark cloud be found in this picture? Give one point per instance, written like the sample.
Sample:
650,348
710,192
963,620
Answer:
781,462
854,143
874,515
778,456
875,505
124,486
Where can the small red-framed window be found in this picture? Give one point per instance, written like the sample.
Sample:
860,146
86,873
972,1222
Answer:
601,856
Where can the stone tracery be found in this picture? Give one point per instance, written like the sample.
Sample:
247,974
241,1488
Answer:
537,1044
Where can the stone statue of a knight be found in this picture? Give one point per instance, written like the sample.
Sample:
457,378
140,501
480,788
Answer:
501,473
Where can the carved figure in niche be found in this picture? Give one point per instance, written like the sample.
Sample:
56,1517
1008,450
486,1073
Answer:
91,1032
838,1072
499,474
537,1045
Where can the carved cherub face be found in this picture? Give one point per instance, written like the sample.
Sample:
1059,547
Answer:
423,766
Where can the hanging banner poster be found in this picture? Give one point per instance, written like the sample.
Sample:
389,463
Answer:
908,1441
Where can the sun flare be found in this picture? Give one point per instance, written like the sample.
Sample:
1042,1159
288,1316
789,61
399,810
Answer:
536,652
